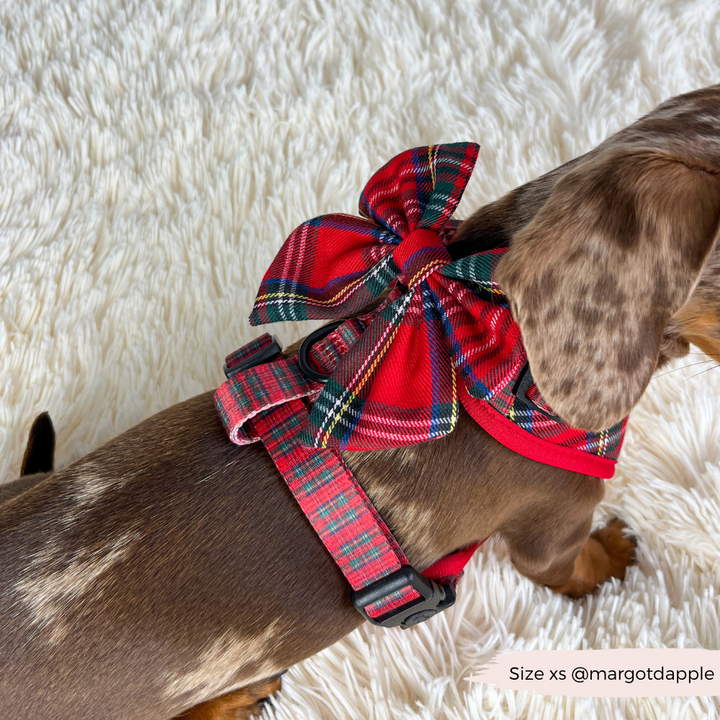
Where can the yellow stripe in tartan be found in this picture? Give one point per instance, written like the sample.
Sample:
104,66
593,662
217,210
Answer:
455,404
602,433
353,395
432,169
425,269
310,301
345,291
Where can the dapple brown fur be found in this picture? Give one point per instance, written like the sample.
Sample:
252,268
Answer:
170,573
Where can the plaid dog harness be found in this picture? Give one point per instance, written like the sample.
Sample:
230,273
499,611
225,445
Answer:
443,336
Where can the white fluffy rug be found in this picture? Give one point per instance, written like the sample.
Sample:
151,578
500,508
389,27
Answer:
155,155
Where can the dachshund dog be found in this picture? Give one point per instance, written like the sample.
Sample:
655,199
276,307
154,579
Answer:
171,573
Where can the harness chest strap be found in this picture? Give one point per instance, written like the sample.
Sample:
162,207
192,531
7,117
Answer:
269,402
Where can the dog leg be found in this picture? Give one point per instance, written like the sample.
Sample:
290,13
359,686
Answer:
241,704
566,556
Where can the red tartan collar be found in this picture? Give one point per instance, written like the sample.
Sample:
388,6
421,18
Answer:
444,332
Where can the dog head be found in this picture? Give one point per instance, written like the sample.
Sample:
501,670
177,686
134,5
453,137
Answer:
614,265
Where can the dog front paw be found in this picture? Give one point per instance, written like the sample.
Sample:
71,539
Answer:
618,545
607,553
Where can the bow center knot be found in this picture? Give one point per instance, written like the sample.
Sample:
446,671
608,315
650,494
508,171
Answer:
419,255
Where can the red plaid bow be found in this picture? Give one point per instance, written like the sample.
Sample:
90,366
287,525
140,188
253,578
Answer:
397,385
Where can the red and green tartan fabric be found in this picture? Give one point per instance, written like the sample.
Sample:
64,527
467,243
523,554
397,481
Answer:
449,321
270,384
335,504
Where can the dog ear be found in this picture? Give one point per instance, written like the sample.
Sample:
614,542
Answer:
595,276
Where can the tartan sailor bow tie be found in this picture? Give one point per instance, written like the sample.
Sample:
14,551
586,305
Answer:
398,384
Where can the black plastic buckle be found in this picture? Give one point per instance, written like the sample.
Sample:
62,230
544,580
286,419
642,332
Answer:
433,598
521,389
258,358
309,372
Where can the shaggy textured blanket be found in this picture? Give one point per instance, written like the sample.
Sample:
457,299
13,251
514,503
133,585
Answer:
155,155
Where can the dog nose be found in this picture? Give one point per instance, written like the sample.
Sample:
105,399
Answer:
419,255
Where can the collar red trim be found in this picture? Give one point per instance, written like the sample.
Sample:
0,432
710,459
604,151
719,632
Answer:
524,443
